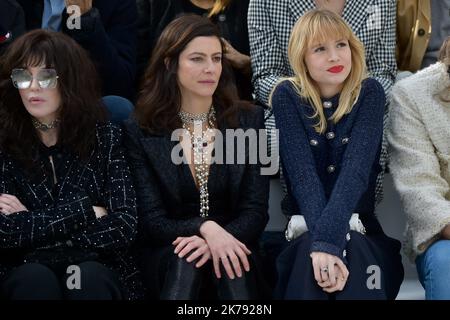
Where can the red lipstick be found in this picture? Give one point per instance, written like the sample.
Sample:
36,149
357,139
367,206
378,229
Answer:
336,69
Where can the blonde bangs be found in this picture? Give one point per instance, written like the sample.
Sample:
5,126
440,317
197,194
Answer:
323,28
317,27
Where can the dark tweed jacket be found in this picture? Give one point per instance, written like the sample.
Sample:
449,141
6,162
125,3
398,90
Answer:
59,223
331,175
158,191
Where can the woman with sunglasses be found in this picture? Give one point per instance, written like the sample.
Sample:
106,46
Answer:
67,206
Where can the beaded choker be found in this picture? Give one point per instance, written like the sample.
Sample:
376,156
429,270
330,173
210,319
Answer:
191,118
200,140
45,126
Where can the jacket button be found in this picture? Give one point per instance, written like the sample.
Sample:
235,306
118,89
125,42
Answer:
330,135
347,236
327,104
421,32
345,140
344,253
331,169
313,142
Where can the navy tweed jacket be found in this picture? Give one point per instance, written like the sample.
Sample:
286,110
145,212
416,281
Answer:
330,176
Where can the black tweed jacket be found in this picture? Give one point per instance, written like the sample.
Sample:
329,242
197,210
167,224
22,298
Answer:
60,225
160,208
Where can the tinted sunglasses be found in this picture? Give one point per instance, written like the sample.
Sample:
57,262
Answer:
46,78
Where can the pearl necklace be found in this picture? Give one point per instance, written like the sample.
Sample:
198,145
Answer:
200,139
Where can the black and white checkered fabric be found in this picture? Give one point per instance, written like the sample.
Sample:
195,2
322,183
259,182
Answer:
270,23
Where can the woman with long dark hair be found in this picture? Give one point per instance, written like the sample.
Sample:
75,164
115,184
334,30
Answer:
200,220
67,204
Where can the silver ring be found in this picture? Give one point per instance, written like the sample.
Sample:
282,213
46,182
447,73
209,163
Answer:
324,269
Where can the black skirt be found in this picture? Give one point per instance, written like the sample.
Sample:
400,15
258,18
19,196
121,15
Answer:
368,257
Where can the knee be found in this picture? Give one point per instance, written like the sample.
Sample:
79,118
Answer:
239,288
94,273
180,268
182,281
437,256
97,282
34,273
118,108
32,281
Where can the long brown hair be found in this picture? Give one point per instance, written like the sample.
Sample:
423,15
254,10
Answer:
159,98
78,86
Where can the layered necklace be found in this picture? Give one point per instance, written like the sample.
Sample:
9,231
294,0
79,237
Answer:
200,140
45,126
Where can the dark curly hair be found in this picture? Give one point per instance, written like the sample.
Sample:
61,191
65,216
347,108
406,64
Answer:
81,108
159,99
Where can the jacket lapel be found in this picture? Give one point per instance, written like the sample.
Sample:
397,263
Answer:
236,173
158,150
234,170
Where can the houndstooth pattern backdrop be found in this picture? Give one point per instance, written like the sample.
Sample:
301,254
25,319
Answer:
270,23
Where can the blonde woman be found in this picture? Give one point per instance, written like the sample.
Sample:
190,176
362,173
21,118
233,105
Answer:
229,15
419,141
330,118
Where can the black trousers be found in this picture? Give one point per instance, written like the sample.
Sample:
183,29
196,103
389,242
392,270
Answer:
170,278
34,281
